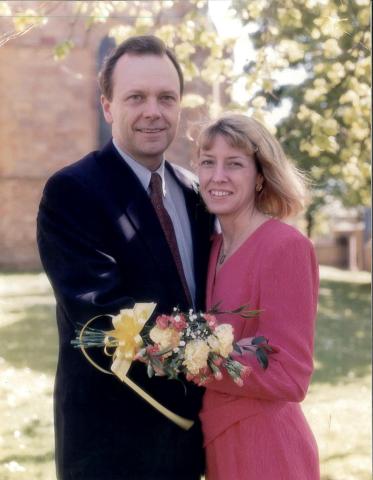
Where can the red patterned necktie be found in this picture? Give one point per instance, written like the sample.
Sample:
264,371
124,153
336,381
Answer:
156,197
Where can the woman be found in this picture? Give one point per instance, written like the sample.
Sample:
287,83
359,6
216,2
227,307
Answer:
258,430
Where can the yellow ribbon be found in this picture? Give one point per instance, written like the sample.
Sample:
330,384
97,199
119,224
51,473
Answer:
126,340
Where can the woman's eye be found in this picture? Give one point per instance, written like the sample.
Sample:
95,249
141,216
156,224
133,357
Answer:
235,165
206,163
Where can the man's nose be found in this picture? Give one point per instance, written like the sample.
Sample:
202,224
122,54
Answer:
151,108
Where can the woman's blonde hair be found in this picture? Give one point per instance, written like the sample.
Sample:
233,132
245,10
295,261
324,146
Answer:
284,189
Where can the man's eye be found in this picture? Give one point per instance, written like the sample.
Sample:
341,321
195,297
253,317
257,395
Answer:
168,98
135,98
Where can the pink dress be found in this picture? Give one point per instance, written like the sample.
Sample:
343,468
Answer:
258,431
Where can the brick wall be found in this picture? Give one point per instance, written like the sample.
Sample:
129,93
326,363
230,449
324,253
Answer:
48,119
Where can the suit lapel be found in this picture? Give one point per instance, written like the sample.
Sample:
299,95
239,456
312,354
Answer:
133,200
128,193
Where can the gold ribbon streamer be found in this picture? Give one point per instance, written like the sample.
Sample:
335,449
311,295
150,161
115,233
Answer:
182,422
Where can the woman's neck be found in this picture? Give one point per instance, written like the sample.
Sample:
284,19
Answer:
235,230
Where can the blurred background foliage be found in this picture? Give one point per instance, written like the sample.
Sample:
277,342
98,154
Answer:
311,58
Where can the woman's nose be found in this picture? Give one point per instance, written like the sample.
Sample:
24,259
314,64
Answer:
219,174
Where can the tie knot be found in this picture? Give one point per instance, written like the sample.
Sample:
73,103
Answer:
156,184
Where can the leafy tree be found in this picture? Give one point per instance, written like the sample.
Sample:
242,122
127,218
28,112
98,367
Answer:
327,129
184,26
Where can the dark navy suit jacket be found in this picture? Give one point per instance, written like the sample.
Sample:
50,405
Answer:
103,249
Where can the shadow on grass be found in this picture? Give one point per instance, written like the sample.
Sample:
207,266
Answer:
343,339
32,340
41,458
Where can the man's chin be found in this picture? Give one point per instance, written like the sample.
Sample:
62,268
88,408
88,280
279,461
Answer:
151,159
153,151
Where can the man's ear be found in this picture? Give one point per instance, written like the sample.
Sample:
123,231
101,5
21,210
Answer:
106,109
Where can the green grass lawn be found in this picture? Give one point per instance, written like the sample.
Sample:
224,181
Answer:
338,405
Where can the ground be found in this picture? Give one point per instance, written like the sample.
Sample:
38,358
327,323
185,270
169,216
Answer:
338,405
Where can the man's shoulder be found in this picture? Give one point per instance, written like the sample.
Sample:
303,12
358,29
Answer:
85,170
185,176
82,165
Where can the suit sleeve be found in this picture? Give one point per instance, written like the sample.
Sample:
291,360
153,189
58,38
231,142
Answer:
288,300
75,254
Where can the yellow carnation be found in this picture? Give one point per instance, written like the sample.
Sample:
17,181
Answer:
196,354
213,343
224,334
165,337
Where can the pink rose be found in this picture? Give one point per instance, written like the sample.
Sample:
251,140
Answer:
203,377
238,381
218,375
152,349
140,358
178,322
162,321
245,372
218,361
211,320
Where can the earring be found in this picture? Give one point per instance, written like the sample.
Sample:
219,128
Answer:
258,187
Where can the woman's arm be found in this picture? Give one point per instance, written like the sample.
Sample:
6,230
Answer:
288,301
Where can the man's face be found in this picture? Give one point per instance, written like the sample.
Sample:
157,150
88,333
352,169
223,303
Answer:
145,109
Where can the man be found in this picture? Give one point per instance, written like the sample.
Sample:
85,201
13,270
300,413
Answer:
105,246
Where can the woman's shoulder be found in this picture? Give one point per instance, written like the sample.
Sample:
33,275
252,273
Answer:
282,236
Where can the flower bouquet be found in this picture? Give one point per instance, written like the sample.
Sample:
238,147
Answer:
195,345
191,345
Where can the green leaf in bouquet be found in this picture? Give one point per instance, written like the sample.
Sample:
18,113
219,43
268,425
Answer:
245,312
150,370
215,308
237,348
155,362
262,358
268,348
171,373
162,352
259,340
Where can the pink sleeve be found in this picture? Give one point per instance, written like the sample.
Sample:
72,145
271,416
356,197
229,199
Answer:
288,300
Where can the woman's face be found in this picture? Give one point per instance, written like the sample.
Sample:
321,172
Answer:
227,177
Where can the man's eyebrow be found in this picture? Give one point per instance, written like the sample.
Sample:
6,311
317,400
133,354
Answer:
134,90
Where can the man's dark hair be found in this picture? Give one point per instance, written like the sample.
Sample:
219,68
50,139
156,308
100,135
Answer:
139,45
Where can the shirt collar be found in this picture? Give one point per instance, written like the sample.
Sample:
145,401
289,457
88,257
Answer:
142,173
